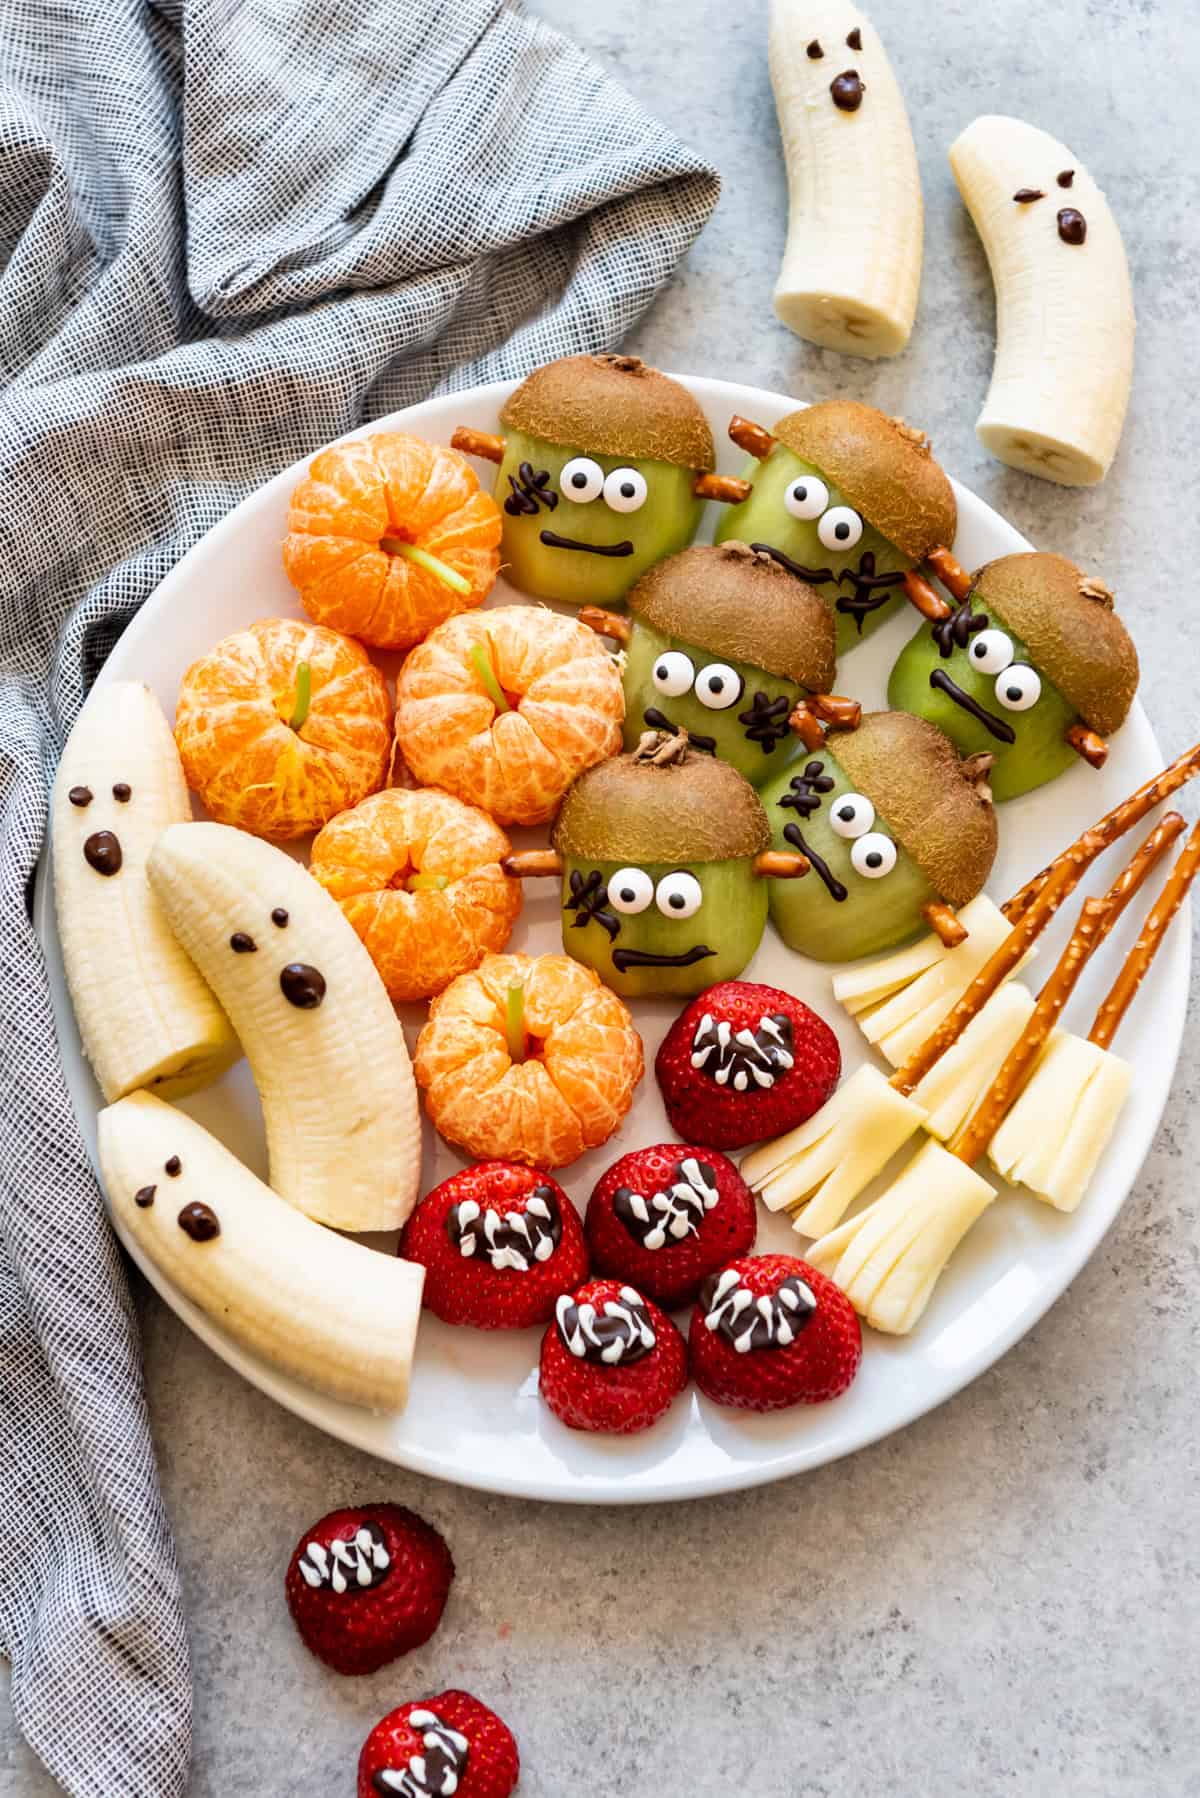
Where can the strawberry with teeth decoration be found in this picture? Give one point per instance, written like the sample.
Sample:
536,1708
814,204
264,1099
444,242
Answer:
365,1586
611,1360
769,1332
662,1219
438,1746
498,1243
743,1063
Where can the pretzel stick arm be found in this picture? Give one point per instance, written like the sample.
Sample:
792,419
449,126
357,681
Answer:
952,574
924,598
751,437
478,443
729,489
532,864
1133,972
941,919
1085,743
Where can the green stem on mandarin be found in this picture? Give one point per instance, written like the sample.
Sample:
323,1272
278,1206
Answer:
427,883
487,674
514,1022
441,571
303,695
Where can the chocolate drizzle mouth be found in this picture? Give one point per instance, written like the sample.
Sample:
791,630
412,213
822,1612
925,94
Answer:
437,1770
353,1563
624,959
552,540
531,489
674,1212
617,1335
766,720
793,834
746,1321
696,740
1004,733
508,1239
589,901
816,577
739,1058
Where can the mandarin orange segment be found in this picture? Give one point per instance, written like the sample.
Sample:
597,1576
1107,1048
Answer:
239,750
420,938
562,686
583,1061
362,500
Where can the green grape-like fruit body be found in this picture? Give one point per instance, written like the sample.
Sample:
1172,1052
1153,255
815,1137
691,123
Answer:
875,914
757,758
666,522
730,922
764,518
1041,751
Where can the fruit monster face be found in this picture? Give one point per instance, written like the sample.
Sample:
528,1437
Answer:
729,708
865,892
803,519
583,527
977,681
657,927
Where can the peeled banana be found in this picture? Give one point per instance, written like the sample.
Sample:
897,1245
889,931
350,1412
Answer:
324,1044
1064,304
146,1017
852,265
337,1315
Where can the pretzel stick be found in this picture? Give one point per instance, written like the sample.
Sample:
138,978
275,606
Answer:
1086,744
1096,919
952,574
478,443
925,598
1114,824
940,918
751,437
728,488
1133,971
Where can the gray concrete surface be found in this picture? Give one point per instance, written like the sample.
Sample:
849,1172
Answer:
1002,1599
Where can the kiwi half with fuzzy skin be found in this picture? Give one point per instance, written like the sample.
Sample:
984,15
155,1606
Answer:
600,457
890,818
1034,649
852,499
659,889
724,644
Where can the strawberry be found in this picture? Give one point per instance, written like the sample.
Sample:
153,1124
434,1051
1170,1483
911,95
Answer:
663,1218
743,1063
498,1244
450,1743
769,1332
367,1585
611,1360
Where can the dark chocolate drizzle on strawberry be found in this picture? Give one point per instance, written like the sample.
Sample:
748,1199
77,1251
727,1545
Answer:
746,1320
672,1213
588,899
742,1059
766,720
618,1335
1003,732
530,489
512,1239
356,1563
436,1770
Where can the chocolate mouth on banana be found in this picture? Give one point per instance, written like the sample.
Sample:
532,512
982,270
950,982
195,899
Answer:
552,540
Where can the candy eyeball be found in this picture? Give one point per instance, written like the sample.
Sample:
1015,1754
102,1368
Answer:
840,528
806,498
582,480
679,895
852,815
718,686
625,490
991,652
1019,688
873,855
673,674
630,890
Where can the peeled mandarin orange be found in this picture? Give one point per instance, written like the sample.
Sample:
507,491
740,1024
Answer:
281,726
582,1060
388,536
418,875
505,707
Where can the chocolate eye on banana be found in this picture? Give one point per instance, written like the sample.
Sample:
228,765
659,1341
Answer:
848,500
722,643
605,465
665,859
899,833
1030,665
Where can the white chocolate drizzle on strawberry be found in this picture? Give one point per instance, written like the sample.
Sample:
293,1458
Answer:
747,1321
739,1058
436,1772
354,1563
508,1239
670,1215
619,1334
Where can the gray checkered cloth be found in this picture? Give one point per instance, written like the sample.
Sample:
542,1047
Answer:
229,231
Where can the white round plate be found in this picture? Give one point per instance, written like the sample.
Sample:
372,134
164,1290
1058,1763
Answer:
474,1415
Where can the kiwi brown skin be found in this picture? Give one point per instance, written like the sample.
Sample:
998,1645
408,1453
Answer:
612,406
884,467
742,606
628,810
1074,636
915,777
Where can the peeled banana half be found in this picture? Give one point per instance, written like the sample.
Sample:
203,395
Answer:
334,1314
323,1041
146,1016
